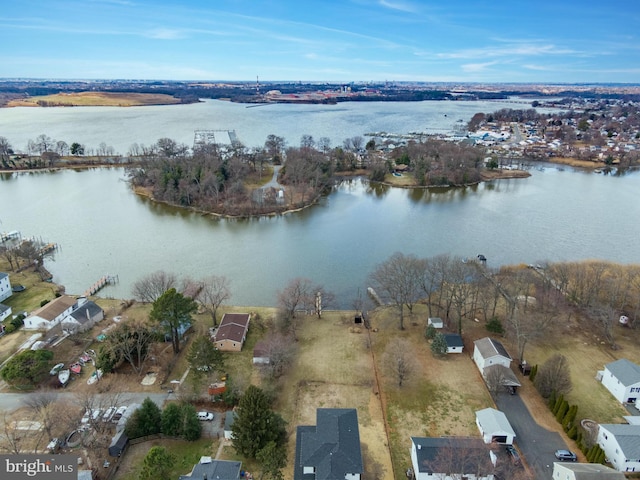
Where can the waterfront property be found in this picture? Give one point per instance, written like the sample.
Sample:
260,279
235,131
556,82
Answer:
51,314
232,332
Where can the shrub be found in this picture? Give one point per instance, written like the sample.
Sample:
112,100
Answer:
43,303
533,373
430,332
495,326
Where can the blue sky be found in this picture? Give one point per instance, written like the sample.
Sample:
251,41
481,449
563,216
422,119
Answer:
568,41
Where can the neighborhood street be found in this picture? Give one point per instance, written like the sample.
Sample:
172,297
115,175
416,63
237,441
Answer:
536,443
13,401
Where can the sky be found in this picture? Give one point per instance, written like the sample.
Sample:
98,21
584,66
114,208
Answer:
532,41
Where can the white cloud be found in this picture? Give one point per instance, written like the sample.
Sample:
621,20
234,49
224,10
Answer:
164,34
401,6
514,49
476,67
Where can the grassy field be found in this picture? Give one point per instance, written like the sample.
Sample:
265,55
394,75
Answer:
95,99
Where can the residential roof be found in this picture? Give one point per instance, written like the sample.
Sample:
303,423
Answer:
494,421
233,327
260,350
489,347
3,275
429,448
627,436
214,469
627,372
453,340
332,447
54,308
591,471
229,418
4,308
86,312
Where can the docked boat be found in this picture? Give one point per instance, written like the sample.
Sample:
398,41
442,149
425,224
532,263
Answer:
63,376
75,368
95,376
56,368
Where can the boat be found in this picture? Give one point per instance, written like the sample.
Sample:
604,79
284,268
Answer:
63,376
75,368
95,376
56,368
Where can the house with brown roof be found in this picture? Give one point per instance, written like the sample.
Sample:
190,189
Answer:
51,314
232,332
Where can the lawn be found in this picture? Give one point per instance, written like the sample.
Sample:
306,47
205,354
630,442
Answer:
107,99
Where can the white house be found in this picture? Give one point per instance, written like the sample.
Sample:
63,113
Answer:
494,426
585,471
5,311
431,455
621,445
488,352
51,314
5,286
622,379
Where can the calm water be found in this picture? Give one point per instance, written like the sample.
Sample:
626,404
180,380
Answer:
103,228
121,127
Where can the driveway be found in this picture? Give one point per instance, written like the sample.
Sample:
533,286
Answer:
537,444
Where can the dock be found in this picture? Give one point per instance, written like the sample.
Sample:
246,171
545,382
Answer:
13,235
100,284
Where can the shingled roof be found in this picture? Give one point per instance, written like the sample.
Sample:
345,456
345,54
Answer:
233,327
628,373
490,347
627,436
332,447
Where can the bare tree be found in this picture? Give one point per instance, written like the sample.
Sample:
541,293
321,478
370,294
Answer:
399,279
280,350
130,341
215,291
42,405
399,360
554,376
458,457
604,318
149,288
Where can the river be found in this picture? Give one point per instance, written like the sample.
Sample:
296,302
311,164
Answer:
103,228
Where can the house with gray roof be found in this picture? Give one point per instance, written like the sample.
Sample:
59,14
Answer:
5,286
494,426
489,351
84,317
454,342
330,450
621,445
210,469
435,458
585,471
622,379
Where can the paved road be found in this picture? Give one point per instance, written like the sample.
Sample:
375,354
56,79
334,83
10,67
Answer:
537,444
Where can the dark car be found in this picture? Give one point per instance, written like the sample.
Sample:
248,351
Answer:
513,453
566,455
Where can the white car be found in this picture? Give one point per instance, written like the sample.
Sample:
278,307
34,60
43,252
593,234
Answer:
108,414
205,416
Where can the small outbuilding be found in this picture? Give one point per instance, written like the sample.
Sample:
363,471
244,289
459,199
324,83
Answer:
454,342
436,322
119,444
494,426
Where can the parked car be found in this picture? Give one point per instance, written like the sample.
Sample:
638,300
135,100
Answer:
205,416
513,453
108,414
118,415
566,455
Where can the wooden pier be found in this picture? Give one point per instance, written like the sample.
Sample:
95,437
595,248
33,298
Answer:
103,282
5,237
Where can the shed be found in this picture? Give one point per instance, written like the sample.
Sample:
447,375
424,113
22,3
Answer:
436,322
494,426
454,342
229,418
119,444
261,354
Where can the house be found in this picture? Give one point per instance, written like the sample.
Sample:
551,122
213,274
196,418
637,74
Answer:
229,418
331,449
494,426
208,468
621,445
488,351
436,322
5,311
51,314
84,317
5,286
622,379
454,342
447,458
261,354
232,332
494,363
584,471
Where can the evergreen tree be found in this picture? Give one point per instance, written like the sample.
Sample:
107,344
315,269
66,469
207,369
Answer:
273,459
171,420
439,345
146,420
157,464
204,357
552,400
172,311
430,332
191,427
533,373
256,424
